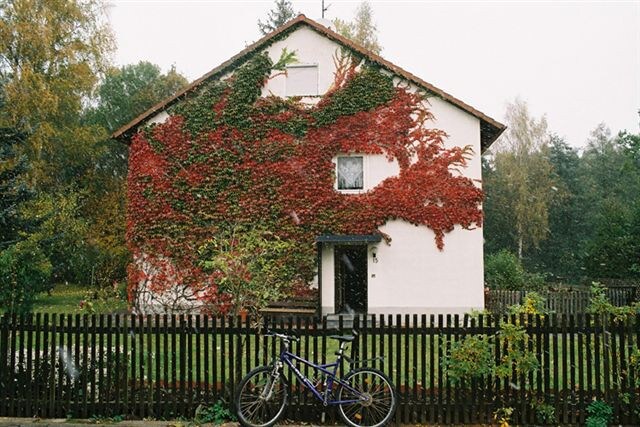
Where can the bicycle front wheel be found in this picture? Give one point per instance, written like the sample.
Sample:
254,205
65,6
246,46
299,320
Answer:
374,395
261,398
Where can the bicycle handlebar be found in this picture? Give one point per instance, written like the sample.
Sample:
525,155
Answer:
282,336
294,338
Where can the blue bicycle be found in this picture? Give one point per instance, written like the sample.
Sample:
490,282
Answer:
364,397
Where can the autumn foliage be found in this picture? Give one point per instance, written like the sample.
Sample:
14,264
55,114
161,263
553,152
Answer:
230,159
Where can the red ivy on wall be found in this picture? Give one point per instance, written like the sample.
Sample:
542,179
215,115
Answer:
231,157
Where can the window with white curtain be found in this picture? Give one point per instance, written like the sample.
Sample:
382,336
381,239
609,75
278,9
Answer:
350,172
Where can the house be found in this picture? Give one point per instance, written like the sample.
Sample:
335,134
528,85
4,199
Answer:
371,171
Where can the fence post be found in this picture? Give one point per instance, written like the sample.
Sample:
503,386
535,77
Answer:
4,363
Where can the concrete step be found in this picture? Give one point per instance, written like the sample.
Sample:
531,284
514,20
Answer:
348,321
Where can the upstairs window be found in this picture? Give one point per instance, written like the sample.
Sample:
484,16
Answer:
302,80
350,173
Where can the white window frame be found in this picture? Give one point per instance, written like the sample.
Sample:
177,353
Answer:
364,174
316,85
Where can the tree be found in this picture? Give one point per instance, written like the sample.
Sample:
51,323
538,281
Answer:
611,206
24,269
524,174
130,90
51,53
613,247
254,266
560,254
278,16
122,95
14,191
631,144
362,29
499,233
24,272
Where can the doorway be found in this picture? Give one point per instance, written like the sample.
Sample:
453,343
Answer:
350,278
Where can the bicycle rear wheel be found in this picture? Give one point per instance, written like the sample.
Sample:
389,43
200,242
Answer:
259,400
376,398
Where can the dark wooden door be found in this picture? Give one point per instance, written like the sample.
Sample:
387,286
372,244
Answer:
351,278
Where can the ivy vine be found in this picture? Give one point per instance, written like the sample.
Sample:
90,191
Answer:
229,159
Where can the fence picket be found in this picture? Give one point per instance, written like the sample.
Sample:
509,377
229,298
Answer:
581,369
432,377
189,362
28,401
110,363
441,390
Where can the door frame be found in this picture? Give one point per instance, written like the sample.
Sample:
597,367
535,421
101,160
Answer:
338,285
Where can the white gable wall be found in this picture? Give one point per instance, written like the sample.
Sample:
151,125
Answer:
311,49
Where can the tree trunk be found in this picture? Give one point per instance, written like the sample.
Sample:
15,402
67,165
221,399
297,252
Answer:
520,248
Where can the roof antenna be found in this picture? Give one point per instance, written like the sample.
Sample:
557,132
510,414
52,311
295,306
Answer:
324,9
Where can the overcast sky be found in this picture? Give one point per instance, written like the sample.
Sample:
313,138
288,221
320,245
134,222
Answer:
576,62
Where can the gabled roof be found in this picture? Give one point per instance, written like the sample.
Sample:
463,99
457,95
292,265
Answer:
490,128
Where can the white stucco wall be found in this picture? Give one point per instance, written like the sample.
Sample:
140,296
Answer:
411,275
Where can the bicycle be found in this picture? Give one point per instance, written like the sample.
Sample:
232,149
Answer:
365,396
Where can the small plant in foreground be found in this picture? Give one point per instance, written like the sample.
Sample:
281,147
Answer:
502,416
600,414
533,304
634,364
98,419
217,413
545,413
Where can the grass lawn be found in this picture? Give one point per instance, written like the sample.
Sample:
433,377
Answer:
66,298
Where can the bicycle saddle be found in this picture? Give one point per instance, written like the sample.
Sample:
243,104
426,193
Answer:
343,338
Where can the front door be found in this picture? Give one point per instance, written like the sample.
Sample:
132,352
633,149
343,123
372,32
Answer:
351,278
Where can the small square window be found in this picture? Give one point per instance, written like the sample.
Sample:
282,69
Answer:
302,80
350,173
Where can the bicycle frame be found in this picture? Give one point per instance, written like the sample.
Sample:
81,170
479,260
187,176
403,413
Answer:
329,369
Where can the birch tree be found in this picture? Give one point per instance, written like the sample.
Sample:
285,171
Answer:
362,29
522,167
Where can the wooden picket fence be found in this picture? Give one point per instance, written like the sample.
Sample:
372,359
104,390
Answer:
165,366
560,301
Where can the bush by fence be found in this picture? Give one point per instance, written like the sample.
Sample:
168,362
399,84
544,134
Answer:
560,301
167,366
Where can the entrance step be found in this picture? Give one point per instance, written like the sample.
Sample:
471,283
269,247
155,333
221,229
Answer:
348,321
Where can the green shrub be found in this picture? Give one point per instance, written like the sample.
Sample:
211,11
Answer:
599,304
533,304
470,358
24,272
534,281
545,413
503,270
600,414
216,414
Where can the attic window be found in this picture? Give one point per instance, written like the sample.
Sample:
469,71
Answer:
350,172
302,80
